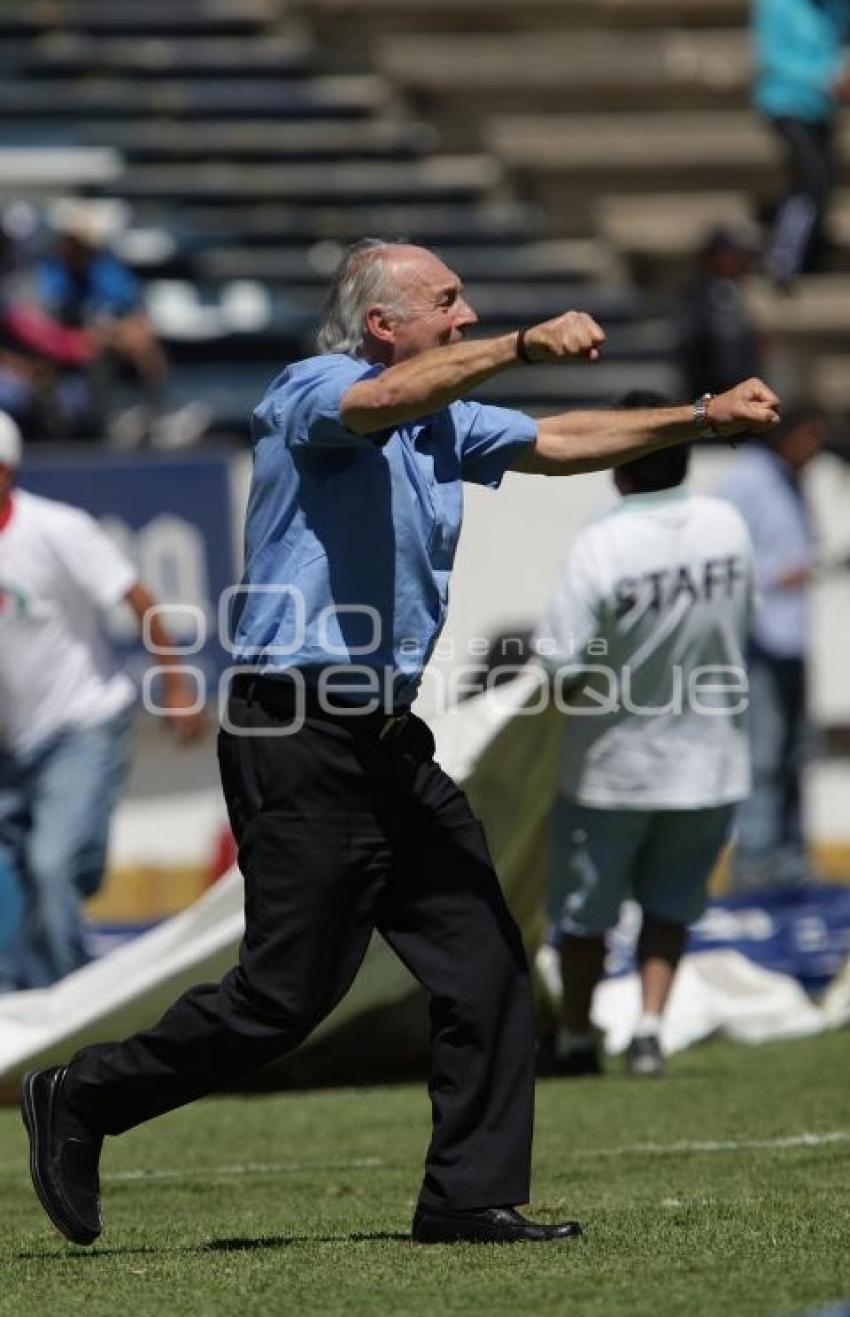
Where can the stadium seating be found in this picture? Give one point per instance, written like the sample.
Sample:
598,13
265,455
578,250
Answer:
555,152
251,147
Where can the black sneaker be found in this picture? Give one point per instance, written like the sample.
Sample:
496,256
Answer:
578,1062
644,1058
64,1156
486,1225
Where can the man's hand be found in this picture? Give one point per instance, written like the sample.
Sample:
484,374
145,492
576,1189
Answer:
749,406
573,334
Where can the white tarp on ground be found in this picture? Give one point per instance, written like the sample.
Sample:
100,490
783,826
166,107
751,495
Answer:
505,760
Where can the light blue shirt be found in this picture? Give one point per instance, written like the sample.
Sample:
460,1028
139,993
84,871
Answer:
798,47
349,544
763,489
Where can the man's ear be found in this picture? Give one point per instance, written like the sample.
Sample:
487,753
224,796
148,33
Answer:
379,325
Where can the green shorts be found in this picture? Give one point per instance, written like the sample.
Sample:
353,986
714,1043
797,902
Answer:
661,858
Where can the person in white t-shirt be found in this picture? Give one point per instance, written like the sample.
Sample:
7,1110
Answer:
65,713
645,639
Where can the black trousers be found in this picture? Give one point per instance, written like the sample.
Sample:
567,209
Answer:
797,239
342,831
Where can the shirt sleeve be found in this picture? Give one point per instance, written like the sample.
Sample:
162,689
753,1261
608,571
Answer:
304,404
95,564
51,285
115,287
572,619
490,439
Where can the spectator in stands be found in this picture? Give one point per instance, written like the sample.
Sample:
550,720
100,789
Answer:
765,486
65,711
85,286
718,341
801,79
40,359
654,592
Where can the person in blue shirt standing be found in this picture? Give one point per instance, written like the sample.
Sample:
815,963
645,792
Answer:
800,79
345,822
85,286
765,485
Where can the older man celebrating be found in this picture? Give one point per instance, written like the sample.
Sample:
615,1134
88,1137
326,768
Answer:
345,823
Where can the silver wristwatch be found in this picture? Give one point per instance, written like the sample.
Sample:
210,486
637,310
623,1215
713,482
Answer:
706,429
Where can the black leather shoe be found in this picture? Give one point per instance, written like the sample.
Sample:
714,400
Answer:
486,1225
64,1156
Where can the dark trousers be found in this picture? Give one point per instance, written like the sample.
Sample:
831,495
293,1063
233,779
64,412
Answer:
796,242
342,831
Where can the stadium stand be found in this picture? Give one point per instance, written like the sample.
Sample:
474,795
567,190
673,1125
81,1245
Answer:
248,147
555,152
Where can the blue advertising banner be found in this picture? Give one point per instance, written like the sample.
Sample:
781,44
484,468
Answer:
172,516
802,931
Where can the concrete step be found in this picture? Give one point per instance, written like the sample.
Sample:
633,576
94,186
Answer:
445,178
548,389
470,225
65,54
163,141
353,24
566,162
658,234
230,17
454,75
531,262
111,97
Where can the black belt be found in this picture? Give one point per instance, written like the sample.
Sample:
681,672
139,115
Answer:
285,695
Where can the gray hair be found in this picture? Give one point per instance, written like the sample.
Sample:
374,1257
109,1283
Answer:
363,279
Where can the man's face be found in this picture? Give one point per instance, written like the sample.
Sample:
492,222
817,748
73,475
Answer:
433,310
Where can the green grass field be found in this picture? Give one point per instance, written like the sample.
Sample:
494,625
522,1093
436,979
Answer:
301,1203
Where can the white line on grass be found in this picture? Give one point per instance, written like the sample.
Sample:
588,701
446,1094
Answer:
720,1145
211,1172
249,1168
370,1163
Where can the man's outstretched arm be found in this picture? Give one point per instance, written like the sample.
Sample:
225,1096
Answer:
433,379
592,441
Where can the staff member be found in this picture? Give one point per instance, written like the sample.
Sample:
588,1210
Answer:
647,631
344,821
65,713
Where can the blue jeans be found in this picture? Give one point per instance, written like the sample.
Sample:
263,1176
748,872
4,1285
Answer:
55,806
770,845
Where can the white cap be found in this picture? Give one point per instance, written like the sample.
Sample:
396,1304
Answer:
10,441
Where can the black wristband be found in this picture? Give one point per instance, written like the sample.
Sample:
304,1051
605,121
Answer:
521,349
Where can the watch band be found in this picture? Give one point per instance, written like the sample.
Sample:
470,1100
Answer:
706,429
701,417
521,349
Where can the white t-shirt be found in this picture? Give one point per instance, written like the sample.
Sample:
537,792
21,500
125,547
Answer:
651,612
58,570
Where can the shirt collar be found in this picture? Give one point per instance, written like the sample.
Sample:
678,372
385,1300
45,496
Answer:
652,498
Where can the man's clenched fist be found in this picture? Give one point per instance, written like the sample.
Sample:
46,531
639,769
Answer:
749,406
573,334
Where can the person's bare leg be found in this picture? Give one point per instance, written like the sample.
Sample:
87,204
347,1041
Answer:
659,951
